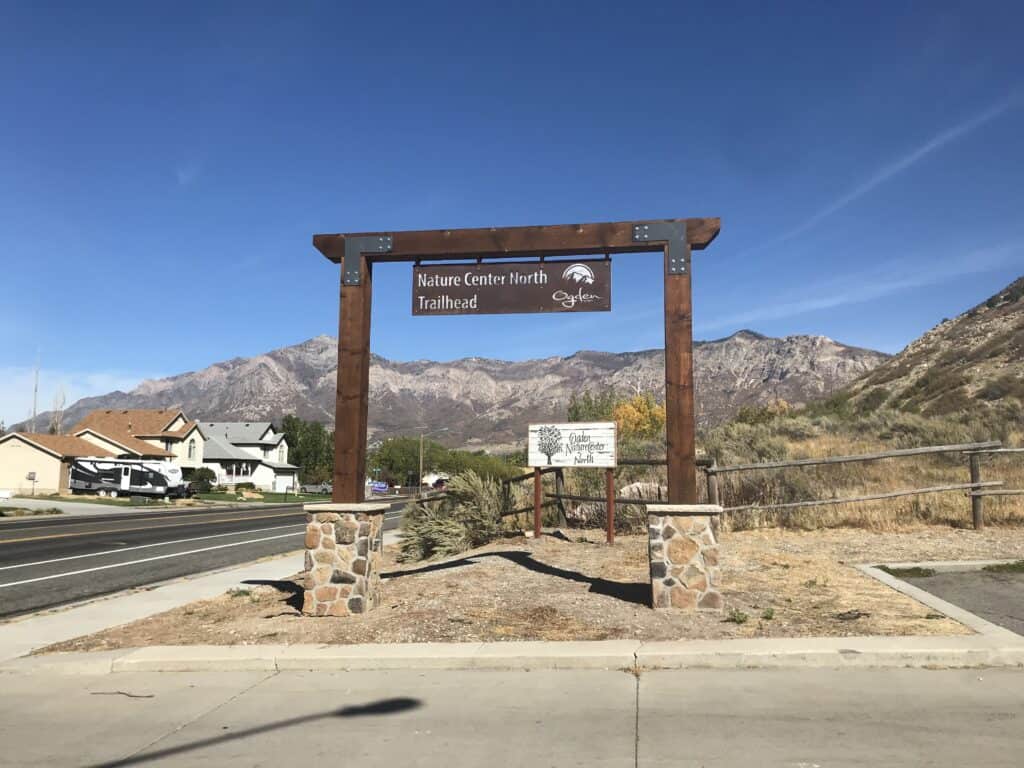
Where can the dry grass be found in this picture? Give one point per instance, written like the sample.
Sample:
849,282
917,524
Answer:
788,583
952,508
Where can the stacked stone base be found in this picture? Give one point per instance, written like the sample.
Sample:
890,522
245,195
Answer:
684,558
343,552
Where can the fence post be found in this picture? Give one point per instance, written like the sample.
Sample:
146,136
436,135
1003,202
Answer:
609,484
712,484
713,496
559,491
536,502
977,512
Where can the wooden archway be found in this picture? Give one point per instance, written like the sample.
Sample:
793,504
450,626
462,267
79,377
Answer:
358,251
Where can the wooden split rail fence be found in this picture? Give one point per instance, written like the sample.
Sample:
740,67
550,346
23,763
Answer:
977,489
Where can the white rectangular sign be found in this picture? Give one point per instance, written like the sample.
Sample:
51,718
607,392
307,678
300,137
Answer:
578,444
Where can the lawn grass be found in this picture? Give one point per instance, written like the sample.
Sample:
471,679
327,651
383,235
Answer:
1017,567
911,573
22,512
120,501
268,497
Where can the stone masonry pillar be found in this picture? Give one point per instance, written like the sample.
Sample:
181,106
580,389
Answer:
684,557
343,552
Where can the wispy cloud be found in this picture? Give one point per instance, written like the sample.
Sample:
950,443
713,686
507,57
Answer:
896,167
892,278
16,392
188,172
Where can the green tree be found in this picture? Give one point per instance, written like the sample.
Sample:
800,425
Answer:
310,447
590,407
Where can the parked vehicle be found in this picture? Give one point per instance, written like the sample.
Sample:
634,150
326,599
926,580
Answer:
322,488
126,477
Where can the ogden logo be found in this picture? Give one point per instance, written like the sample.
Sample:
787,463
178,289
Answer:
578,275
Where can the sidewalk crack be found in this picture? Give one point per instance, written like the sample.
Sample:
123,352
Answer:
636,722
186,724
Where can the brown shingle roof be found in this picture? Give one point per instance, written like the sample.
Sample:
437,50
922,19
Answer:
137,421
130,444
124,426
64,446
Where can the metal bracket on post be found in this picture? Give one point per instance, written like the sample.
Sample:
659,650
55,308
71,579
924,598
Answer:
674,234
355,247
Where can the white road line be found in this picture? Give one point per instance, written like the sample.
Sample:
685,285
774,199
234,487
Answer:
144,546
145,560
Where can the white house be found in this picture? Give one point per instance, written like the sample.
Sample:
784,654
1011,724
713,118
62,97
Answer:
248,452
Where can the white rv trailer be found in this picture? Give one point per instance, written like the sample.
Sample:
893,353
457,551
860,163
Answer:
126,477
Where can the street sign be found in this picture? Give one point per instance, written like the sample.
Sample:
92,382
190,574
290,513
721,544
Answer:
577,444
512,287
378,486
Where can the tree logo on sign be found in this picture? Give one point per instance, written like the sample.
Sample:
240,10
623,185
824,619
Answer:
549,441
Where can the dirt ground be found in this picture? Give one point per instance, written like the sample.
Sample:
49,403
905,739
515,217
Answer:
776,583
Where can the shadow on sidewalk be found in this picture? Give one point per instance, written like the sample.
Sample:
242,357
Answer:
632,592
382,707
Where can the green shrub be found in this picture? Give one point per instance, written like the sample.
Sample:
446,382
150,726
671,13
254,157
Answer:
245,486
873,400
202,480
469,516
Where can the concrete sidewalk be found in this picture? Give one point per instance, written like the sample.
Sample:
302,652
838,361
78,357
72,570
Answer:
466,719
628,655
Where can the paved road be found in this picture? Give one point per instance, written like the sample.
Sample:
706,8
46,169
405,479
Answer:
997,597
47,562
467,719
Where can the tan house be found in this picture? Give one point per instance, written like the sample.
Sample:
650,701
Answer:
145,434
47,457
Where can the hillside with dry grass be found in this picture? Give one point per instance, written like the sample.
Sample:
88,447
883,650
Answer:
974,361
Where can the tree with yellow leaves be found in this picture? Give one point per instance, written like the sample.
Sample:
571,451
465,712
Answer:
639,416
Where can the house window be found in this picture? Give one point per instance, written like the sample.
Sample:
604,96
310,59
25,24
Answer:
280,453
192,448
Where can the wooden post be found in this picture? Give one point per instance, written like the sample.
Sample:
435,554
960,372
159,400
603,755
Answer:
609,483
679,411
713,497
353,387
560,491
977,512
537,493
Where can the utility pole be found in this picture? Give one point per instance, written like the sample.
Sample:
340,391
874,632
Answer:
35,395
419,477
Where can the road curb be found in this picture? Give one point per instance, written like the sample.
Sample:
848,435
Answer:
758,653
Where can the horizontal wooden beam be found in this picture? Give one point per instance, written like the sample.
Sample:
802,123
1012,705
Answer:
871,497
894,454
500,242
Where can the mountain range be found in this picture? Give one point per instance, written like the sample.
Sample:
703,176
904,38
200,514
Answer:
485,403
971,361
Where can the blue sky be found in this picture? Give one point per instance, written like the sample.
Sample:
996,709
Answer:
162,169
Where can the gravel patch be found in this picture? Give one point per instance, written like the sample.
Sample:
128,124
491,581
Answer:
572,586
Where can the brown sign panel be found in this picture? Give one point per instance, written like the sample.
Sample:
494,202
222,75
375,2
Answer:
512,287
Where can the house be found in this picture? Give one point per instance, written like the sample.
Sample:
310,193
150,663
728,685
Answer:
46,457
145,434
248,452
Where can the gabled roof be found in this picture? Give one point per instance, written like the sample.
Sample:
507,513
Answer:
178,434
129,443
241,432
218,449
61,446
130,421
278,466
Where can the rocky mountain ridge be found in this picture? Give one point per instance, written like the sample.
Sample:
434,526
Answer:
482,402
974,360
